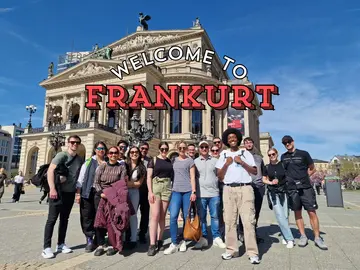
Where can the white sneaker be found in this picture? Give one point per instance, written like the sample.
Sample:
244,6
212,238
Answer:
182,246
171,249
219,242
284,242
290,244
63,248
254,260
226,256
202,243
47,253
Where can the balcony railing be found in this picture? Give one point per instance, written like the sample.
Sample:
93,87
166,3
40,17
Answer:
72,126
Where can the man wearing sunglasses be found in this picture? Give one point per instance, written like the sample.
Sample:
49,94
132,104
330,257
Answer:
144,202
299,166
123,146
208,196
61,200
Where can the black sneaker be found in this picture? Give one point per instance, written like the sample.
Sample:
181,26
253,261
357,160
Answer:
160,245
99,251
111,251
90,247
152,250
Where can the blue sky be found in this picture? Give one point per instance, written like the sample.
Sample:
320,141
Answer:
310,50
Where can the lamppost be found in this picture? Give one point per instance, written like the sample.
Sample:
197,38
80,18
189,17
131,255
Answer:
57,140
32,110
56,119
198,138
141,132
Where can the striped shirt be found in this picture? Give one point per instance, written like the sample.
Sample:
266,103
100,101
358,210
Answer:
107,174
182,181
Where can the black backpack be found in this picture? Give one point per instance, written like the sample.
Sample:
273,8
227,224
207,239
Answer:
40,179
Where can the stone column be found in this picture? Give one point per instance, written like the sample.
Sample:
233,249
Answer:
82,108
162,124
185,121
247,125
167,120
224,120
101,112
64,109
218,123
206,120
45,119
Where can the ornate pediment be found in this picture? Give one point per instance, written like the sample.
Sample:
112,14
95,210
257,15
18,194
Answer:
89,69
139,40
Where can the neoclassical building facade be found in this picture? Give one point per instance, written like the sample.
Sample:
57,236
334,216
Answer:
65,100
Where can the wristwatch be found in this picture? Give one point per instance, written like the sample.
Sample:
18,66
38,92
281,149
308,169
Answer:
194,192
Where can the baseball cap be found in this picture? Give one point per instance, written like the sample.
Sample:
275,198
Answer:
287,139
204,142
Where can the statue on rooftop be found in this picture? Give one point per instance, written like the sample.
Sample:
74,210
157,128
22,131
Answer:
143,20
51,70
108,53
197,22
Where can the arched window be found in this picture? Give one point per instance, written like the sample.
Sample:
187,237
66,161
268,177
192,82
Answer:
175,121
196,119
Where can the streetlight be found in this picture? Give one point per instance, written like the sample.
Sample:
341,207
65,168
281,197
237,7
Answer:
57,119
198,138
57,140
141,132
32,110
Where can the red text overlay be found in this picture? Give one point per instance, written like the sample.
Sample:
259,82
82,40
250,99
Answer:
219,97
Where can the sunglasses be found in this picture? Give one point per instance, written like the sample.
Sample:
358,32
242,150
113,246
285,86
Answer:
144,149
100,149
214,150
134,152
113,153
182,148
287,142
164,149
204,147
272,155
75,142
217,142
123,148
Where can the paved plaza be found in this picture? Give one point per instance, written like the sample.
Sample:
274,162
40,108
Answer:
22,226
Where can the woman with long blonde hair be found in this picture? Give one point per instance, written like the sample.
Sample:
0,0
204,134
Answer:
274,177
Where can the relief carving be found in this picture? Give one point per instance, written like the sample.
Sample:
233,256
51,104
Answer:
141,40
90,68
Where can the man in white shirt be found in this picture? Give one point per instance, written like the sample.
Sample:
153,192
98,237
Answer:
235,167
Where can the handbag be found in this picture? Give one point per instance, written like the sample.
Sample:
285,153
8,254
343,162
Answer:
192,229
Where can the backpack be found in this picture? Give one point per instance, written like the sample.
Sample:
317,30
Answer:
40,179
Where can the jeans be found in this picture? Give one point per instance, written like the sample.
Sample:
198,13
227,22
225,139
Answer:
214,206
179,200
56,209
17,191
144,211
134,197
282,216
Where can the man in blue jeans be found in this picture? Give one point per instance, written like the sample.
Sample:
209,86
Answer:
208,196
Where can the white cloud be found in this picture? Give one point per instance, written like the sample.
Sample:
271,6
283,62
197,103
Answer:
321,115
5,10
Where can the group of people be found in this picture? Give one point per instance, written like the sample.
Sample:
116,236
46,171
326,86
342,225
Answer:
116,182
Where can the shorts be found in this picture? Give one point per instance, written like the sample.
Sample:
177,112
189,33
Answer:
161,188
302,198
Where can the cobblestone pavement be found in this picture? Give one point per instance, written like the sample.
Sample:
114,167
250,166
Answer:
22,225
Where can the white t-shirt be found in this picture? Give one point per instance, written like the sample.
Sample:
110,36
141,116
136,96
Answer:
235,172
19,179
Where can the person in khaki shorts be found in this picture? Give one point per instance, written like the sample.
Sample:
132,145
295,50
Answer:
235,167
159,176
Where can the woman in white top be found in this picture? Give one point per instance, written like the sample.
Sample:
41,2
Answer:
136,173
19,182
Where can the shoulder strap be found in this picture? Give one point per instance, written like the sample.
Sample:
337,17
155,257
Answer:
71,161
